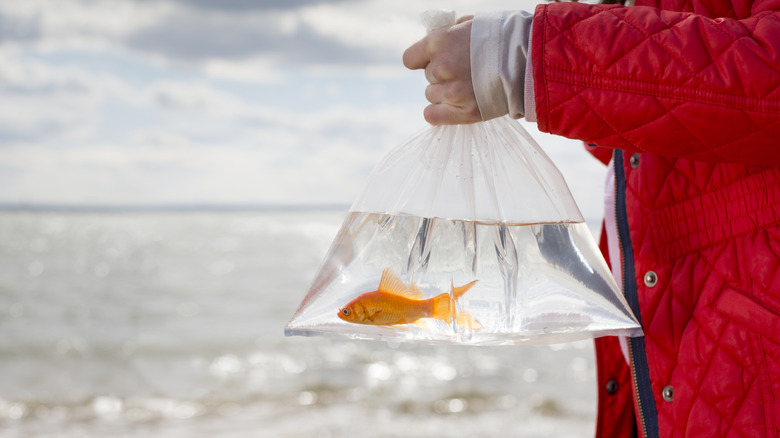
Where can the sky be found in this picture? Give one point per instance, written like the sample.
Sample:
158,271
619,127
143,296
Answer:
224,102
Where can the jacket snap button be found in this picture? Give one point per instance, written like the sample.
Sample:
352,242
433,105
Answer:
634,160
650,279
612,386
668,393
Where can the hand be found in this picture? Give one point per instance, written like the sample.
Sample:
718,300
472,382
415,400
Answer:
445,56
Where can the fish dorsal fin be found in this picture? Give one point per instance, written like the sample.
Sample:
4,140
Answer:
414,289
390,283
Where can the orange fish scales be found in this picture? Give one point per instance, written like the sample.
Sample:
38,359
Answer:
395,303
382,308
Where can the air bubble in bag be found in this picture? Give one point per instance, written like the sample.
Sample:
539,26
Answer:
452,205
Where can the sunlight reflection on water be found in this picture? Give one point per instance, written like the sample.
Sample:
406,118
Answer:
170,324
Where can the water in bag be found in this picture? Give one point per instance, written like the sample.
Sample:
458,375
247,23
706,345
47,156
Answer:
465,235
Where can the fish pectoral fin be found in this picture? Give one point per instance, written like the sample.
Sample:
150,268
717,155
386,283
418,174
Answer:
422,324
373,316
400,327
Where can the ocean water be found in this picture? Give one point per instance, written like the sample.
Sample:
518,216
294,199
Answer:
170,324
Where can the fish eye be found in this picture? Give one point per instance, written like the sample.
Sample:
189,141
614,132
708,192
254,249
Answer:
345,312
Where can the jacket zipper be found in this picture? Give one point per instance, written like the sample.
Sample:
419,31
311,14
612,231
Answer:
640,373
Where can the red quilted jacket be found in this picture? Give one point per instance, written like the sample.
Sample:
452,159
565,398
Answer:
685,96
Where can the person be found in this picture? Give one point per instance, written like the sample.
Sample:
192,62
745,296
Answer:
681,98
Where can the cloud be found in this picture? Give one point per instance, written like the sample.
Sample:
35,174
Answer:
298,160
53,25
190,36
211,101
255,5
19,29
85,137
192,97
246,40
37,103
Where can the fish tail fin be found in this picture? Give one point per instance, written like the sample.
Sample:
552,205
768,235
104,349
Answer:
458,292
443,310
466,320
441,307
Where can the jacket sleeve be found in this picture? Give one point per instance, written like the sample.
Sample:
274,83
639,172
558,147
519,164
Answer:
671,83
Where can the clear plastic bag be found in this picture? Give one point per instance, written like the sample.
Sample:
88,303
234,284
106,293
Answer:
465,234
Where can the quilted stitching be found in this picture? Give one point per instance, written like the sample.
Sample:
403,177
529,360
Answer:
753,370
638,59
671,84
703,375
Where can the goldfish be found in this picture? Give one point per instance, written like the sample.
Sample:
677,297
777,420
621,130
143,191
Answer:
396,303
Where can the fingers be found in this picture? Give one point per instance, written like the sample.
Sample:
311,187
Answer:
437,72
439,43
434,93
453,93
464,19
444,55
429,76
444,114
416,56
451,104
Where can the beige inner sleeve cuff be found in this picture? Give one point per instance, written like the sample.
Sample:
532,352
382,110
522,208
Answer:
499,48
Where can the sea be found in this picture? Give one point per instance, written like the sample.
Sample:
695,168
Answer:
170,323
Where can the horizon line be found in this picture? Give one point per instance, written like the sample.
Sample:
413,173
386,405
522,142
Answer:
42,207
